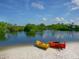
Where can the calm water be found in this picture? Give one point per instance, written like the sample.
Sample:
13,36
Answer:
30,38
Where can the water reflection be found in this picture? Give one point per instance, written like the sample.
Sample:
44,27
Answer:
30,33
47,34
13,33
31,37
2,36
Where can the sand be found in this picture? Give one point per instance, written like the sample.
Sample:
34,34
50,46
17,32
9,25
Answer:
32,52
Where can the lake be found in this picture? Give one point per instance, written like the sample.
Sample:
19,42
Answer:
46,36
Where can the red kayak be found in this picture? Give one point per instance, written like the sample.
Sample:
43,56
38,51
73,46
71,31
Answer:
57,45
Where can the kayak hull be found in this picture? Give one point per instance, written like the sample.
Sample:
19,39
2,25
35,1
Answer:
57,45
41,45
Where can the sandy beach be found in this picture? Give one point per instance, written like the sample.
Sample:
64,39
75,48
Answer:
32,52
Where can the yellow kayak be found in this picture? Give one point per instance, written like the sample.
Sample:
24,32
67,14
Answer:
41,44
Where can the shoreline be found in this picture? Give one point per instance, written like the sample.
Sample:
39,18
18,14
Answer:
2,48
32,52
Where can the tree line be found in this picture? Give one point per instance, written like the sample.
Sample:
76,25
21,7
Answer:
6,27
58,27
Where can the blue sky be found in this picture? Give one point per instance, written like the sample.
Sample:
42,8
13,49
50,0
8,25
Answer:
22,12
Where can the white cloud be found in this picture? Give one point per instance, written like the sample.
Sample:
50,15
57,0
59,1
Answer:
75,4
62,18
59,19
38,5
75,8
76,21
44,19
71,20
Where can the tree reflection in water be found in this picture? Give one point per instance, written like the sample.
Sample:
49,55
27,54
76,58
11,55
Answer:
31,33
2,36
